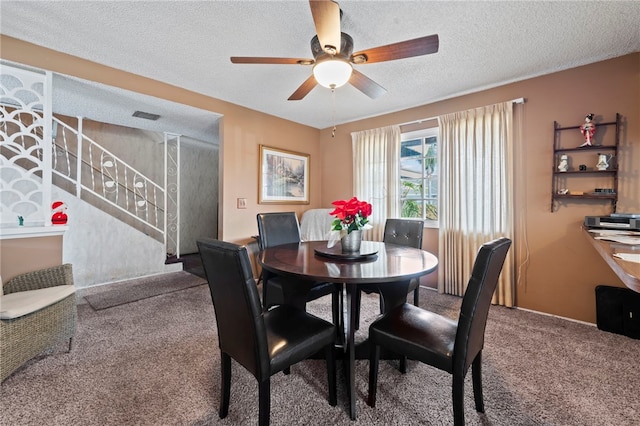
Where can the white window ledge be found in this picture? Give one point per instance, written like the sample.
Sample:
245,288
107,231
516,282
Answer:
431,223
31,231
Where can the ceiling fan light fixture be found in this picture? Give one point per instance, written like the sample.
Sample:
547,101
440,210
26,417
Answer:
332,73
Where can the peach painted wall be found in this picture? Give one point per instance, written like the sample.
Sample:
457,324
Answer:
244,131
558,269
20,255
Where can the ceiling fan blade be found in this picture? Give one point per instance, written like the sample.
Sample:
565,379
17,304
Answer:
304,89
259,60
326,17
366,85
404,49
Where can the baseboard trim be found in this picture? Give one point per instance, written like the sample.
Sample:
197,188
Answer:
555,316
532,311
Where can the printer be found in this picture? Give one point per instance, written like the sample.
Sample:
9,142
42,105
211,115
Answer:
622,221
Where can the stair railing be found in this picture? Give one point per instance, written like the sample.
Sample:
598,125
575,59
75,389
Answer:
106,176
99,173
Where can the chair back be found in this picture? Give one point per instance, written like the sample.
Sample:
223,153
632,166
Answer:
476,302
278,228
405,232
241,328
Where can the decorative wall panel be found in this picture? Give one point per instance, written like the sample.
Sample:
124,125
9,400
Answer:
25,147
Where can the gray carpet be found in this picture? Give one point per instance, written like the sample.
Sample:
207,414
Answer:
156,362
142,288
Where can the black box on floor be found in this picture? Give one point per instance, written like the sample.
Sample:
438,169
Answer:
618,310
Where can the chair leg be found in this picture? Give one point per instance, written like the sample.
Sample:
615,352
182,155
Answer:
374,358
358,296
287,371
70,343
336,312
264,406
225,364
331,375
416,302
458,400
476,375
403,364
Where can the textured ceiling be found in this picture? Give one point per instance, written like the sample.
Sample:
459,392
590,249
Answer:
483,44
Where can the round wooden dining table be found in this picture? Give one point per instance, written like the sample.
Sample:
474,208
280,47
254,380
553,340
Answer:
387,268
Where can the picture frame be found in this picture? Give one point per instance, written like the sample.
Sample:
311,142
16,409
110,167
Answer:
283,176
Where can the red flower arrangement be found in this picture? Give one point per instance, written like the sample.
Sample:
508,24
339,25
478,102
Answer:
350,215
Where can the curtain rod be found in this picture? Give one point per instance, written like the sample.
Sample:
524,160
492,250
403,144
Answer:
515,101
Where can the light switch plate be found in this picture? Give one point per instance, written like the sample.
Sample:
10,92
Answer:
242,203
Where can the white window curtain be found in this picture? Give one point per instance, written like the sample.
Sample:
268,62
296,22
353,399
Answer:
376,177
476,194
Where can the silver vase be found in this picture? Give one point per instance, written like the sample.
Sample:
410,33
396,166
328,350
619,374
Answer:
351,242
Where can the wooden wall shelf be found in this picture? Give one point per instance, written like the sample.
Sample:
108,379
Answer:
574,176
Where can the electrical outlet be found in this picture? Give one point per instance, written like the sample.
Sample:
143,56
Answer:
242,203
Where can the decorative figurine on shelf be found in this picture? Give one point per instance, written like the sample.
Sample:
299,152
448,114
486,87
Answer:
59,216
588,129
563,166
20,221
603,162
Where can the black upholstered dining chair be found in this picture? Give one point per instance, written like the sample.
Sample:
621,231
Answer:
262,342
404,232
451,346
282,228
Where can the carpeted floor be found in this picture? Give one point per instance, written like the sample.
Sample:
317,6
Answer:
142,288
156,362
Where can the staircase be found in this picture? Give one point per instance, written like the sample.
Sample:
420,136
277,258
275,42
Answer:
83,167
40,152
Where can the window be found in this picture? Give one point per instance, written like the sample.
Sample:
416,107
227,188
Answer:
419,175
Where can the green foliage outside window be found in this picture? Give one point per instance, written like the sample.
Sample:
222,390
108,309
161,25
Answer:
411,208
419,195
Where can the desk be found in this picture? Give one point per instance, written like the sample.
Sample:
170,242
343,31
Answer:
628,272
390,271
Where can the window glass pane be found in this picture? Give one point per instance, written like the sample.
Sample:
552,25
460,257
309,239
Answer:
411,149
411,208
431,188
411,169
419,176
411,188
431,158
431,210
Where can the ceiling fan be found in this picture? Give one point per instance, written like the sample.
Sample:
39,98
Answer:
333,56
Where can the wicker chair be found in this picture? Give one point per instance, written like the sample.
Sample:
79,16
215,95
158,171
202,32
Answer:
31,325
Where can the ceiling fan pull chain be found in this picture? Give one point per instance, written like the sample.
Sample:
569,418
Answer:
333,111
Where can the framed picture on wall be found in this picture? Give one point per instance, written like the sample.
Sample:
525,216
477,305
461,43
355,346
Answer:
284,177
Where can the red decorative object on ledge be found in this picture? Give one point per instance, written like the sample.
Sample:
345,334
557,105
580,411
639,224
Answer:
59,216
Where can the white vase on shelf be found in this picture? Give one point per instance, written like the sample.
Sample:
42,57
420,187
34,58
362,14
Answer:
603,162
563,166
